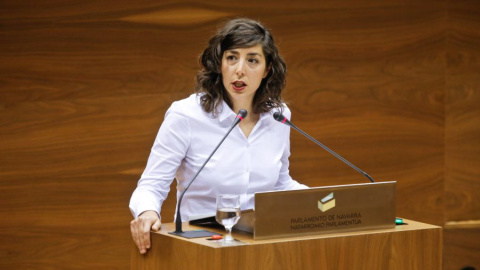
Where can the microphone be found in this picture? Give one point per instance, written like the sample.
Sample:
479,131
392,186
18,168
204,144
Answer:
282,119
239,118
178,221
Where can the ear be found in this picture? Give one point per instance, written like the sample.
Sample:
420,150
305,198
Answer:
267,70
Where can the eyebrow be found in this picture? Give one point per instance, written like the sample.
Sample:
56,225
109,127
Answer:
248,54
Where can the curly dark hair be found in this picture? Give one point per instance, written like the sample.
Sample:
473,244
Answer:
241,33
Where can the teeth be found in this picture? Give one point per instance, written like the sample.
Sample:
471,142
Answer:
239,84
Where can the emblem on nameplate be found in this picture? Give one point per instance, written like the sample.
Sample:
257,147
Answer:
326,203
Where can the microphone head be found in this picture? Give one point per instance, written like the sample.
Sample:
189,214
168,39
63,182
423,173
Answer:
282,119
278,116
239,118
242,113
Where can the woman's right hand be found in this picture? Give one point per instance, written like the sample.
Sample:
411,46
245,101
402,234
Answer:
140,229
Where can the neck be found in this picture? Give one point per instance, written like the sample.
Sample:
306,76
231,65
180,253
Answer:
250,121
238,104
248,106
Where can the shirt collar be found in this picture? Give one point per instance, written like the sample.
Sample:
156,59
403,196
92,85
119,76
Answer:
225,113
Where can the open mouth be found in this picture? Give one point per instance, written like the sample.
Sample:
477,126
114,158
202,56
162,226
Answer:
238,85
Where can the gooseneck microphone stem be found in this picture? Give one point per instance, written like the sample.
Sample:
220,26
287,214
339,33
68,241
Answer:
178,221
281,118
333,153
178,224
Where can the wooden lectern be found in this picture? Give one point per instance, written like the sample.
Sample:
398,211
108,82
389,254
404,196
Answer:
413,245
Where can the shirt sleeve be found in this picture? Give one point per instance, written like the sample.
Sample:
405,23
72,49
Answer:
168,151
285,181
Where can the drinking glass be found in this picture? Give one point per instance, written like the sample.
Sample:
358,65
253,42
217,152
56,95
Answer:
228,213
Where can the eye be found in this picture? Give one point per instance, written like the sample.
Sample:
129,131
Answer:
253,60
231,57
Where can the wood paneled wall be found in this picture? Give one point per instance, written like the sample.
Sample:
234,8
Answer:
462,136
390,85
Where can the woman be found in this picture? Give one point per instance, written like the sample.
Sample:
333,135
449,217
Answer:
241,70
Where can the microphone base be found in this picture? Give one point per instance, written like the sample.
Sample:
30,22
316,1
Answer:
194,234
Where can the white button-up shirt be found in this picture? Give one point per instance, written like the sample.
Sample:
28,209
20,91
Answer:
241,165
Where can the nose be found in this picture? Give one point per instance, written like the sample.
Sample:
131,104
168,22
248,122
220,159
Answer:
240,68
